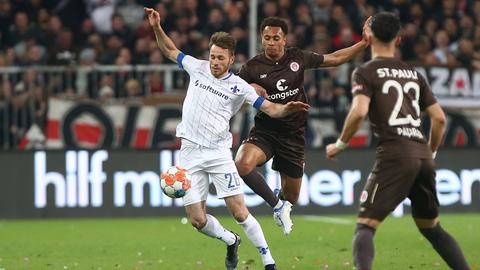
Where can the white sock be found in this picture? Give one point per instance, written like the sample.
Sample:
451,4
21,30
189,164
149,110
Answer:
255,234
279,204
214,229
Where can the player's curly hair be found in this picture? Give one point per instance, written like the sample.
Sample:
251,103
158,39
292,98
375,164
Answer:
274,22
224,40
385,26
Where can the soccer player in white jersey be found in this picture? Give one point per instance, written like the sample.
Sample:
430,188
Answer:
214,95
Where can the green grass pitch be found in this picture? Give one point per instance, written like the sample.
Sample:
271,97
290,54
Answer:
165,243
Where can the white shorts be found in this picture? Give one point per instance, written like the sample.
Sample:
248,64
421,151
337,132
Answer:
205,164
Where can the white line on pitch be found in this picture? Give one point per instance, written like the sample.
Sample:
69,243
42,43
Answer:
327,219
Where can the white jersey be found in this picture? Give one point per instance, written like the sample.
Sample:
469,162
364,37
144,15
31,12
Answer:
210,104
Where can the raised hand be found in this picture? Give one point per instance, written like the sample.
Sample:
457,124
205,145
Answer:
153,16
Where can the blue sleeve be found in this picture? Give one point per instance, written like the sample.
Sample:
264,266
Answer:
258,103
180,57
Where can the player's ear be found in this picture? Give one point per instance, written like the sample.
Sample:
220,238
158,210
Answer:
398,39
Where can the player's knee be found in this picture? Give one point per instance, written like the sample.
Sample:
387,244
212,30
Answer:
198,223
244,167
426,223
241,215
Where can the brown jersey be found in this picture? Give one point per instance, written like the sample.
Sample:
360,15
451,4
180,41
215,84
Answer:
283,80
398,93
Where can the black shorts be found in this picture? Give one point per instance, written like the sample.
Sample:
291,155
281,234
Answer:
287,150
393,180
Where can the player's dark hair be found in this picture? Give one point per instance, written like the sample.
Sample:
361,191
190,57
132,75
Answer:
224,40
274,22
385,26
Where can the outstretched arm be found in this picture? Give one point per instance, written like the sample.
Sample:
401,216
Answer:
276,110
166,45
352,124
344,55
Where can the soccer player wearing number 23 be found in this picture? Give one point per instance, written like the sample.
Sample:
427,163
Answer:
393,94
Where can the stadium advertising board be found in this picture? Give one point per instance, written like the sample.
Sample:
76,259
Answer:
127,183
454,87
91,125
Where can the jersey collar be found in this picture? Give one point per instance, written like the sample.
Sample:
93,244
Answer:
229,74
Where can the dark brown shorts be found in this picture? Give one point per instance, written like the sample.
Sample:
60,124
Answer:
393,180
287,150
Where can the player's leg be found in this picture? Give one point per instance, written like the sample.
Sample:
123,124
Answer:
363,246
195,208
253,230
290,188
229,186
425,213
289,160
193,159
291,173
388,185
443,243
248,157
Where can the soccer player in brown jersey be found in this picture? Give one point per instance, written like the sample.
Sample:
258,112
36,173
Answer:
277,74
393,94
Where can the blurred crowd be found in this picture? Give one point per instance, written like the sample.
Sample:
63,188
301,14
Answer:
88,33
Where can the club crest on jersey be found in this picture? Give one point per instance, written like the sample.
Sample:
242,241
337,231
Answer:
235,89
294,66
363,196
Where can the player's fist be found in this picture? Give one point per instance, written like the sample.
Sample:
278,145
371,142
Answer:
332,151
153,16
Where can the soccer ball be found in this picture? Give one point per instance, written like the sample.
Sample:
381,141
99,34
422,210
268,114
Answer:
175,182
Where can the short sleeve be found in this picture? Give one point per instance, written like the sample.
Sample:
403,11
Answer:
426,95
243,73
359,84
187,62
251,96
312,59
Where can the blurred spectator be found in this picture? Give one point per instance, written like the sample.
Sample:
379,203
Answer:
114,44
155,83
20,117
269,9
465,53
120,30
131,12
141,52
441,52
86,30
214,23
101,12
156,57
84,78
63,52
132,88
106,92
322,10
5,21
20,30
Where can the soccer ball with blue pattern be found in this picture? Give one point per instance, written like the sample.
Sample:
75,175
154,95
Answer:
175,182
